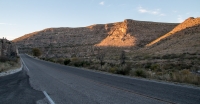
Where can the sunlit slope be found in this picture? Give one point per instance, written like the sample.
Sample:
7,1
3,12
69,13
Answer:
185,38
188,23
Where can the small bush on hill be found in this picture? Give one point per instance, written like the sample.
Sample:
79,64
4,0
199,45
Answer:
36,52
67,61
60,61
139,73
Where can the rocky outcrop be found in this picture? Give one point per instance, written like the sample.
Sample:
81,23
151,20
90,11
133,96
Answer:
7,48
85,41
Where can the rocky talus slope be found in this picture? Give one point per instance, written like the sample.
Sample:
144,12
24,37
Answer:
86,41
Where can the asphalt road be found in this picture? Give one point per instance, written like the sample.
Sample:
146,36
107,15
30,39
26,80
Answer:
15,89
69,85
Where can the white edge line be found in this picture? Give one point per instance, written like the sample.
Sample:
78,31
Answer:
49,99
47,96
25,65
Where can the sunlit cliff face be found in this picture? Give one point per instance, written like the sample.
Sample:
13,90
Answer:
117,36
190,22
125,40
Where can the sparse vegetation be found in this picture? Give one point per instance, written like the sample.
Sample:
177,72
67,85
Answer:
168,55
7,64
67,61
139,73
4,59
122,58
36,52
100,57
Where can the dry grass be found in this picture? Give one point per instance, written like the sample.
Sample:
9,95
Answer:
9,65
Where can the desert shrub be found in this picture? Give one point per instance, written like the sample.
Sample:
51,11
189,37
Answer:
94,66
78,63
147,65
112,70
184,76
154,67
4,59
51,60
60,61
36,52
185,72
74,59
86,63
43,58
120,71
123,70
67,61
139,73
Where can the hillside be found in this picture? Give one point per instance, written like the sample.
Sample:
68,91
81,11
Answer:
163,51
184,38
85,41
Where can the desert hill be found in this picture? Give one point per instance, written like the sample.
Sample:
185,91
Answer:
163,51
85,41
184,38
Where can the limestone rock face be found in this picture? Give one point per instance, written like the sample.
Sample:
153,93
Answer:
84,41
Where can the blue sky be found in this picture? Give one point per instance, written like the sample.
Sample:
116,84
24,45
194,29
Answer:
20,17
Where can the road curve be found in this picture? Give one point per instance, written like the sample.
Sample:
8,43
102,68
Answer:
69,85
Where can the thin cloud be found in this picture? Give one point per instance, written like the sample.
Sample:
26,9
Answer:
153,12
102,3
7,24
142,10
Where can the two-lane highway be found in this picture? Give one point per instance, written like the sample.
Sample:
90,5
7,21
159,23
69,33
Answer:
67,85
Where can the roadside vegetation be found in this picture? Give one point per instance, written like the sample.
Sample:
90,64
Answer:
9,63
36,52
181,68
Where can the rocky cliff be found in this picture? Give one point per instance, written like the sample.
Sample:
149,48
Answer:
85,41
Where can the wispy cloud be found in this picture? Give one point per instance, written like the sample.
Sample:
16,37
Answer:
7,24
153,12
102,3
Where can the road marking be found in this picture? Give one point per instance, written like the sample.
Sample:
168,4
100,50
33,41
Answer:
49,99
25,65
